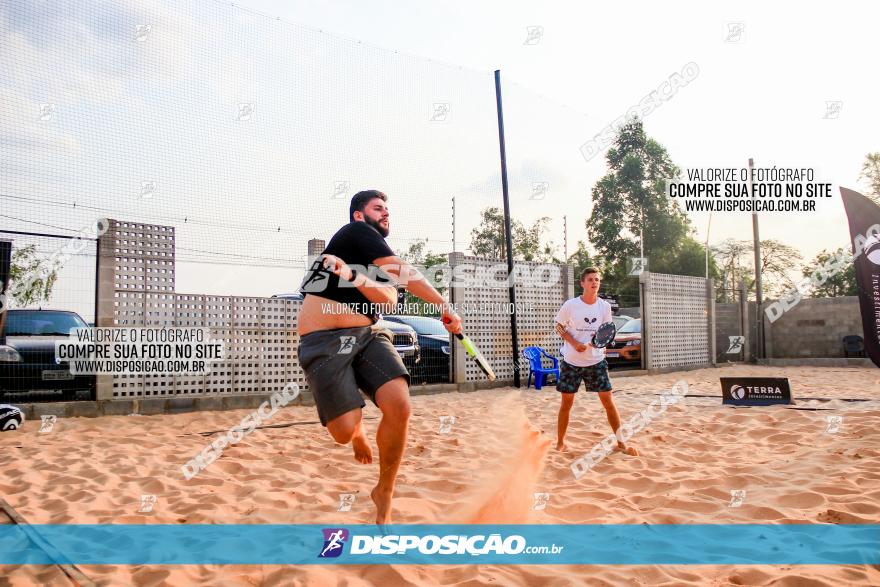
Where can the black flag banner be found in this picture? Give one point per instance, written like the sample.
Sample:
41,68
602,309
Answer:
864,219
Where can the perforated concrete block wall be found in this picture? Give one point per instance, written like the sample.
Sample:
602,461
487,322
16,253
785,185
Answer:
259,334
484,304
678,321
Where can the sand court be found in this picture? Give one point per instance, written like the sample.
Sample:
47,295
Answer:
815,462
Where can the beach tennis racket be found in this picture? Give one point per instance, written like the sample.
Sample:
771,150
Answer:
604,335
474,352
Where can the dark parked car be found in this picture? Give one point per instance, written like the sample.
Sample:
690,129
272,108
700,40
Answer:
27,360
434,346
406,342
626,349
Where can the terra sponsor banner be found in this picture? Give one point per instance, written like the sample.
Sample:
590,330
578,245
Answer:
755,391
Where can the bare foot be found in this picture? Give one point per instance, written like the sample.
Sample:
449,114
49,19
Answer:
382,499
560,446
362,451
627,450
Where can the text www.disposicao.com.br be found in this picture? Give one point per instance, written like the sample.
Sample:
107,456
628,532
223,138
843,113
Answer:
750,205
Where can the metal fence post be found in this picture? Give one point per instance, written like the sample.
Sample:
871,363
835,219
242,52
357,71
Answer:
456,296
744,322
645,295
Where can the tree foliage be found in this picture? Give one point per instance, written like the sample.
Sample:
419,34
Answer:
630,204
418,254
487,240
871,174
841,284
736,263
31,280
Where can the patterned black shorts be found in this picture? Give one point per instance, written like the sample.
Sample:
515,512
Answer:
595,377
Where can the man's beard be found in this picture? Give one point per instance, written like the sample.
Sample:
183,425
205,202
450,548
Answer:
375,224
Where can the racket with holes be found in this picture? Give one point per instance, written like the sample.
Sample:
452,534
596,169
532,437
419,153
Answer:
604,335
474,352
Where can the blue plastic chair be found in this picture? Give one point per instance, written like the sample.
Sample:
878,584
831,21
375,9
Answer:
536,367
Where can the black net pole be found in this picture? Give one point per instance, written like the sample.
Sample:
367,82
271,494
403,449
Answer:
5,270
507,233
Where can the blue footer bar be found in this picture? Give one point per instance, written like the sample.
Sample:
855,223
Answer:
714,544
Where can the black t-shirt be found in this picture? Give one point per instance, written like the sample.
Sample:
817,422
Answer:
358,244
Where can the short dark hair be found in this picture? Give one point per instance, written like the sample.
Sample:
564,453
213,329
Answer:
587,271
360,200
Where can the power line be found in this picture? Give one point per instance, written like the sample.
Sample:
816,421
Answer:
290,262
186,220
37,223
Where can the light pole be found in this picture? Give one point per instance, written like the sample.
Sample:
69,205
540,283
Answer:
759,293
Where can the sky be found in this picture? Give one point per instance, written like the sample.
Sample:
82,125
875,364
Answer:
760,94
246,127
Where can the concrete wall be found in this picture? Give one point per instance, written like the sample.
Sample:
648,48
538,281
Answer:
814,328
728,323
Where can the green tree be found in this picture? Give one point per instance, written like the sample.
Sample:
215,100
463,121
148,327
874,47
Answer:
842,284
417,254
735,265
31,280
736,262
580,260
529,243
778,260
630,205
871,175
688,259
630,202
487,240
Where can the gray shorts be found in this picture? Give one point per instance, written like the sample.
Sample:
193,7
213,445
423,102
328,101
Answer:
338,362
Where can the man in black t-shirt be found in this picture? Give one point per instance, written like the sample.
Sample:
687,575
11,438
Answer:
345,289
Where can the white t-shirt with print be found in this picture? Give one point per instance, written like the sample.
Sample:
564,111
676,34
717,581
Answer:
581,320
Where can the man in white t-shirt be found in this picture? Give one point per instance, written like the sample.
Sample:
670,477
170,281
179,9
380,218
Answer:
577,322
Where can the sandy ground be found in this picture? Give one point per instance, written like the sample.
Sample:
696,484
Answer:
486,468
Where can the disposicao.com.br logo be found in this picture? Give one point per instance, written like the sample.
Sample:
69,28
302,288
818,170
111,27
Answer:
450,544
334,541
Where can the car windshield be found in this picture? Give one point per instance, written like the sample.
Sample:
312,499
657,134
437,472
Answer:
631,327
423,325
42,323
